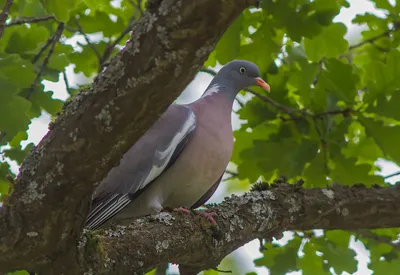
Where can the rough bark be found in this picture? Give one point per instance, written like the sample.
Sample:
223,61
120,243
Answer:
43,218
41,223
191,242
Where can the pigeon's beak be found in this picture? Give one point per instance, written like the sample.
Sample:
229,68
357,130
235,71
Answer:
262,83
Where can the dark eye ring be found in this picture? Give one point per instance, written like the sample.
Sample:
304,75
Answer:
242,70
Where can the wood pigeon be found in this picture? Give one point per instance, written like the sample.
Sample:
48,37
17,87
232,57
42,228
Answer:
179,162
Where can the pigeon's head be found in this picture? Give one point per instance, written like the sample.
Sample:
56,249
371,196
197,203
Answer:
240,74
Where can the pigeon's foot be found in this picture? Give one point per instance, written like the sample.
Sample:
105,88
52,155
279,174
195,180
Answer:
182,210
209,216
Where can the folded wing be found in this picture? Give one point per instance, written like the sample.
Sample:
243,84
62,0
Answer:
151,155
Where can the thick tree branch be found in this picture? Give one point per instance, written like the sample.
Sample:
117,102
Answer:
42,219
189,241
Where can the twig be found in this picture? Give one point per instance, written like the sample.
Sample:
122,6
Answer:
43,49
66,82
30,20
381,239
138,6
323,143
344,112
221,271
281,107
232,175
89,43
55,38
4,15
241,104
372,39
109,49
208,71
392,175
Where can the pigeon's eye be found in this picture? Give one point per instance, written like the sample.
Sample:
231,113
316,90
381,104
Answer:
242,70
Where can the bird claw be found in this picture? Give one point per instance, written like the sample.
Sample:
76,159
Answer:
209,216
182,210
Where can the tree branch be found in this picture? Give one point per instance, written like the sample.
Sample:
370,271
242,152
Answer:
110,48
42,220
392,175
191,242
53,43
27,20
4,16
372,39
89,43
380,239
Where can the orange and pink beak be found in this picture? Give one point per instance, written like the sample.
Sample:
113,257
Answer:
262,84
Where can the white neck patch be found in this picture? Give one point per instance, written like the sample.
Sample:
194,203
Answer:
212,90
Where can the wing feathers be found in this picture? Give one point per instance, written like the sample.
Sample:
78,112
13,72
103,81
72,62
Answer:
165,156
154,153
107,210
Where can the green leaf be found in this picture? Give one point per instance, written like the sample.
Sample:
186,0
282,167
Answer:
383,78
339,80
228,47
386,267
301,81
280,259
45,100
387,107
347,172
4,187
339,257
256,112
85,61
311,263
243,153
264,42
340,238
99,21
58,62
298,20
4,172
16,72
17,154
20,272
20,136
385,136
60,9
13,114
366,150
97,4
329,43
316,172
24,40
384,4
287,156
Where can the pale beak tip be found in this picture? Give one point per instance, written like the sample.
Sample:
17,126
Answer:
263,84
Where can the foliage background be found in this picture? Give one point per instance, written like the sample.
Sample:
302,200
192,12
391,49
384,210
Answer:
331,118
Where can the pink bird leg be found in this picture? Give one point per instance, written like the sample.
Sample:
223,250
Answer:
182,210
